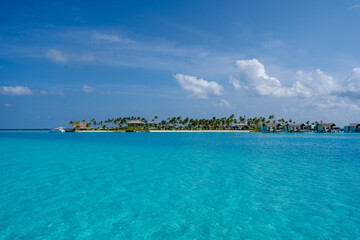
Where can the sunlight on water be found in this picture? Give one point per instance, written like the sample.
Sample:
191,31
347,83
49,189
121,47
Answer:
179,186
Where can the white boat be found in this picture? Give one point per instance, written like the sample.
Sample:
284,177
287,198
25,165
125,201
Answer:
58,129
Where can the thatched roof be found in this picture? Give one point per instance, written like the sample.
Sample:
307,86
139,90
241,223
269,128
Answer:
151,123
354,124
136,122
80,125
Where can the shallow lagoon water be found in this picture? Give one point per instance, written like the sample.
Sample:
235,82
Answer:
179,186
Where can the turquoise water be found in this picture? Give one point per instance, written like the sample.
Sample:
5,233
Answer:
179,186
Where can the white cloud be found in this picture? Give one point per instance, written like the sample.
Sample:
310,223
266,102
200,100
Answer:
8,105
352,83
319,89
56,56
252,76
111,48
111,38
62,57
355,6
22,90
15,91
236,83
199,87
88,89
314,84
333,102
224,103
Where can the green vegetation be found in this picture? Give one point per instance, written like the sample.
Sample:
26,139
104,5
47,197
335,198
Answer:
179,123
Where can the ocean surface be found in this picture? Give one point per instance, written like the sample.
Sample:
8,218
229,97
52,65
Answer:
179,186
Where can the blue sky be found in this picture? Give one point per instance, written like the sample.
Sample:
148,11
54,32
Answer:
74,60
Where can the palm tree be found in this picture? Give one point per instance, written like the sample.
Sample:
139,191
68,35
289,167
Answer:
242,119
92,121
249,121
185,121
71,123
179,120
164,123
173,121
100,123
230,120
124,120
77,124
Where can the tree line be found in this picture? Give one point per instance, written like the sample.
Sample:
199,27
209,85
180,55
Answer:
190,123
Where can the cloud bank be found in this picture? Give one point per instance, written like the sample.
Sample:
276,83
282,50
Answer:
199,87
56,56
354,6
223,103
23,91
111,38
59,56
88,89
252,76
15,90
316,88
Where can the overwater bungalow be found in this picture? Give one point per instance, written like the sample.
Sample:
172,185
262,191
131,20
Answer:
325,127
353,127
294,127
271,127
80,125
136,123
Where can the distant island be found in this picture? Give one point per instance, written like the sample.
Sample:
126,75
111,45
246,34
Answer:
231,123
